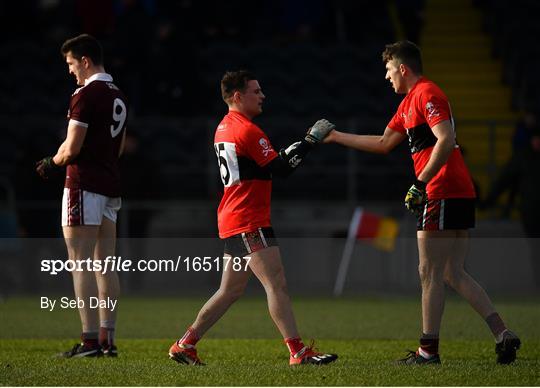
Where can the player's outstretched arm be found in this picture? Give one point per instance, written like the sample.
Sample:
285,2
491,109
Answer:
291,157
367,143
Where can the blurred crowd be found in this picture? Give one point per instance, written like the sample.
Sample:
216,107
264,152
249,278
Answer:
153,46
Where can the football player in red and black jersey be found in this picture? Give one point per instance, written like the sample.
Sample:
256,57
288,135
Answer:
442,198
95,137
247,162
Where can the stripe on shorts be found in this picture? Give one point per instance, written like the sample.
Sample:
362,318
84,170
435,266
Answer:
74,206
424,215
246,243
262,238
81,202
441,215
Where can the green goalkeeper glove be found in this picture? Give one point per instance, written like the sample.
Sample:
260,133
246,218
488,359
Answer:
416,197
319,131
45,166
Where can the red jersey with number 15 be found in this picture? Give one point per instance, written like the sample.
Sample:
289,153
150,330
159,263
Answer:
243,150
101,108
422,108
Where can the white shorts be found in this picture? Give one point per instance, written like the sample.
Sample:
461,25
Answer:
81,207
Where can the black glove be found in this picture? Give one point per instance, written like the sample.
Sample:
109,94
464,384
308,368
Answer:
46,166
416,197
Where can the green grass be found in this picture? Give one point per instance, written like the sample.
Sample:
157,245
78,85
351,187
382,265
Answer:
244,348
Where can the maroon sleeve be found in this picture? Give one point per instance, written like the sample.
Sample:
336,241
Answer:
80,108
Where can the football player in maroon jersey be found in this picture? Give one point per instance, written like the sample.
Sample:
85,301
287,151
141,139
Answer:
95,136
442,198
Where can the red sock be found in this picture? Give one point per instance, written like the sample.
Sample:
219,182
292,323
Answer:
294,344
429,343
496,324
191,337
106,337
90,340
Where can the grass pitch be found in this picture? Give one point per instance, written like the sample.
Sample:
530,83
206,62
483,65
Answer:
244,348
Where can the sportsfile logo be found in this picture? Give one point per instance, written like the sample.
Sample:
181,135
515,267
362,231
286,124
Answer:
111,263
119,264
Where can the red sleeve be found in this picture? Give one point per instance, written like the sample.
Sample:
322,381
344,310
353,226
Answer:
79,108
435,108
256,145
396,124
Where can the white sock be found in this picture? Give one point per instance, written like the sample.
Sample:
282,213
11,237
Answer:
425,354
500,337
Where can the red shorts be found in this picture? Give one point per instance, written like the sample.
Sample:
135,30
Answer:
447,214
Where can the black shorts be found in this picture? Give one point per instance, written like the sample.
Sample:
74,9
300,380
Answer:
242,244
447,214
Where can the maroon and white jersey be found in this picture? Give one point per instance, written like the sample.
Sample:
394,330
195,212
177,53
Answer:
100,107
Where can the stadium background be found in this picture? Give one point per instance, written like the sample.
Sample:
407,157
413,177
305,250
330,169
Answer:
314,59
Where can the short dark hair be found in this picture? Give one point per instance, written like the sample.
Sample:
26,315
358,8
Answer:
84,46
234,81
405,52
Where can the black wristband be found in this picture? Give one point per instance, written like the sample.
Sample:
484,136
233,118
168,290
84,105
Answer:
311,140
421,185
305,146
286,163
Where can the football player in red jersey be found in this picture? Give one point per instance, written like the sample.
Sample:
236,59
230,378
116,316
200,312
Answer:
94,142
247,162
442,198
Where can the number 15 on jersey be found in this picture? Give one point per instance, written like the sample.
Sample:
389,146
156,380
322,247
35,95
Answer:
228,163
